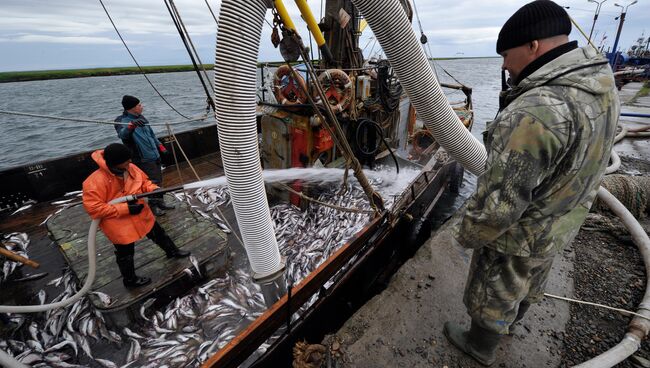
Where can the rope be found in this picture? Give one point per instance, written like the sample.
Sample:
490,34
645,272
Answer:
136,62
583,33
187,41
632,191
336,207
211,12
171,132
202,117
623,311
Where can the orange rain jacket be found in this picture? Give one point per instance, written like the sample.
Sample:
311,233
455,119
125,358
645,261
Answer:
102,186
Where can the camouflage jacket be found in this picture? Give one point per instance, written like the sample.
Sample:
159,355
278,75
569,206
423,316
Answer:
547,151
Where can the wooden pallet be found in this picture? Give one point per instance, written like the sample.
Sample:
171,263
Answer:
190,231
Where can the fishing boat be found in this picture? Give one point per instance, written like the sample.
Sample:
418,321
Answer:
339,241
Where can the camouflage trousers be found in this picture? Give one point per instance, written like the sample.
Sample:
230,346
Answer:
498,283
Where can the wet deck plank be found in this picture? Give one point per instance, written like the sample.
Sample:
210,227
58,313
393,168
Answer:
189,231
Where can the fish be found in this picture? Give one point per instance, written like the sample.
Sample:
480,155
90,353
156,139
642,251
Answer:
103,297
56,203
74,193
45,221
31,277
132,334
195,263
21,209
144,306
134,350
42,295
106,363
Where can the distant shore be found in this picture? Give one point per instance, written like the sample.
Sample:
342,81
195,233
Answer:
34,75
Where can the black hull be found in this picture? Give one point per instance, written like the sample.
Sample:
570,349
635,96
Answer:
50,179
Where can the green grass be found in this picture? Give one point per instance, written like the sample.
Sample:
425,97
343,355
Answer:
94,72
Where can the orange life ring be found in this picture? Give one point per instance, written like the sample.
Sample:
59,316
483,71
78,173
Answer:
338,89
286,89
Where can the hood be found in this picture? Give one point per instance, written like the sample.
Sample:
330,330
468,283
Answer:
98,156
582,68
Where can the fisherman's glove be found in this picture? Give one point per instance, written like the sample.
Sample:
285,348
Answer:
134,124
135,207
162,150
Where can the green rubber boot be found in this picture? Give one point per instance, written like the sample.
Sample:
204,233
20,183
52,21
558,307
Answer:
478,342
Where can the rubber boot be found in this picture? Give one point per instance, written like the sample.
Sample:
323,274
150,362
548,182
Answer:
523,308
478,342
163,205
127,269
172,251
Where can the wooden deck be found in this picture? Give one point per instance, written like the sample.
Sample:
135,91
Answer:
189,231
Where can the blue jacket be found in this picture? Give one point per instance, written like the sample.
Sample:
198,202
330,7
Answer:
144,139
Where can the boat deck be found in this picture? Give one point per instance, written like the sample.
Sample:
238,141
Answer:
52,261
189,231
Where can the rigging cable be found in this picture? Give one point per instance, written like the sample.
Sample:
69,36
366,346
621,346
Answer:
136,62
211,12
180,27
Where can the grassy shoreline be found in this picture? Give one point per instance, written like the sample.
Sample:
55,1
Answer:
34,75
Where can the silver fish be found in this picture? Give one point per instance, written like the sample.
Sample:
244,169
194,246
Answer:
76,192
21,209
103,297
42,295
35,276
134,350
132,334
106,363
195,263
56,203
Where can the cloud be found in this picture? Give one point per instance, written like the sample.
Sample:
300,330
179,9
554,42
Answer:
81,40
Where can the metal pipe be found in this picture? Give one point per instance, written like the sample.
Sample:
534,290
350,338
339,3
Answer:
312,24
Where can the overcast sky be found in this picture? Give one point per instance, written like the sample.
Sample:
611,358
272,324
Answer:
64,34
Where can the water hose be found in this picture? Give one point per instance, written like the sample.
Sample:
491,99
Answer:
235,81
639,327
392,29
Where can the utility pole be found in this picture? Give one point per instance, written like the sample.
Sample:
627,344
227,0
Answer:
614,54
595,16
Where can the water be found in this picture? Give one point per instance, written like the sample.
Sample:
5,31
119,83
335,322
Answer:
26,140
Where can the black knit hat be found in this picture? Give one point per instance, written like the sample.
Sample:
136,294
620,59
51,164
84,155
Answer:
129,102
116,153
533,21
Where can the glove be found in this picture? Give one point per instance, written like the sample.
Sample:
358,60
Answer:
162,149
135,207
134,124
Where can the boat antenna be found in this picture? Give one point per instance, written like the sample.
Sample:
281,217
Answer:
189,46
136,62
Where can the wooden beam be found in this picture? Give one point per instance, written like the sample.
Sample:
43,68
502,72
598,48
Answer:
244,344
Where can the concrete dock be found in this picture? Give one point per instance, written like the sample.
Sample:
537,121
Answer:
402,326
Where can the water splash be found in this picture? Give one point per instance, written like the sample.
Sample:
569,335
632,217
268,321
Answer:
317,176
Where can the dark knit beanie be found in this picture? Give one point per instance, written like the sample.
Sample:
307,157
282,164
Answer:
116,153
533,21
129,102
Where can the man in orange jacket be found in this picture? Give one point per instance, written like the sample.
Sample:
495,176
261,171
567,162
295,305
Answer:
124,223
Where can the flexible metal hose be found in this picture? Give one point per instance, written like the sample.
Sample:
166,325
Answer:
235,81
396,36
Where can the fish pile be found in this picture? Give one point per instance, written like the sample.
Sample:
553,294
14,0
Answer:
59,336
17,243
193,327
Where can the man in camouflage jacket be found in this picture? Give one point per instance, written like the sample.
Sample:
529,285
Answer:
547,151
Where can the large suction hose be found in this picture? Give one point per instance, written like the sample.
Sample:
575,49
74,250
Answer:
395,35
235,81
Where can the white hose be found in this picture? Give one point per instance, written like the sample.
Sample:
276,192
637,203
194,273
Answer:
235,86
92,267
392,29
616,163
639,327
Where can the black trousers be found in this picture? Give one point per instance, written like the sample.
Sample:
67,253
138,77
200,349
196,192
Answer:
157,234
153,171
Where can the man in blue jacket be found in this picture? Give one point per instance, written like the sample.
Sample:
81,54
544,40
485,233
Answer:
136,133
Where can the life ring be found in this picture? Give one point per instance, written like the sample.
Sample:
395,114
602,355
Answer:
338,89
286,89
